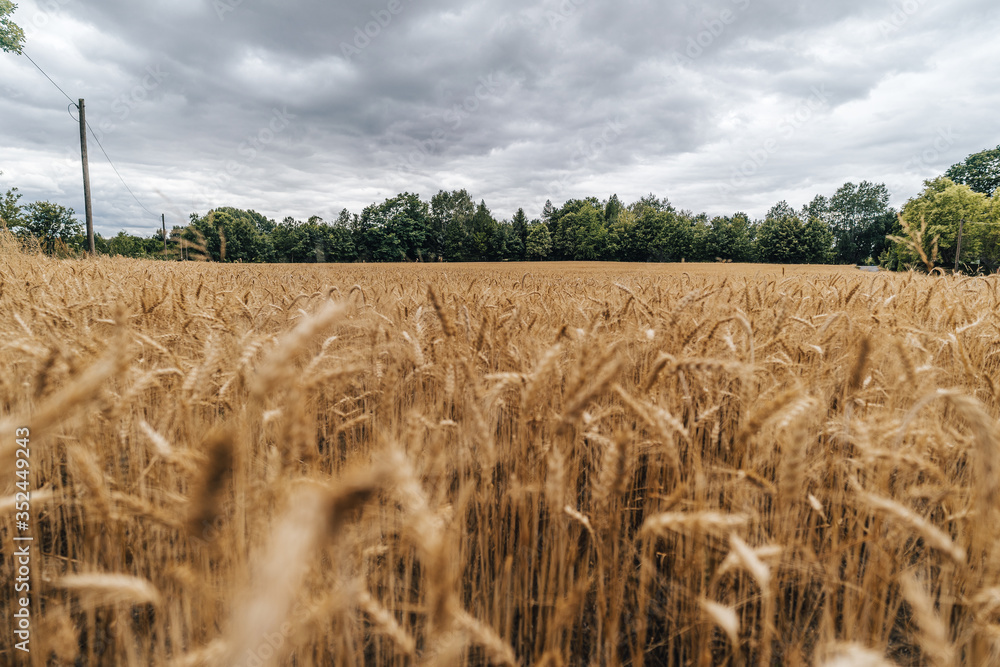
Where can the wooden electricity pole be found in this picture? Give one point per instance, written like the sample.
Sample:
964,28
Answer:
86,179
958,248
163,220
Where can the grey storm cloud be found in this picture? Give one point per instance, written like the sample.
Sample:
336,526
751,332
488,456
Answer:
304,108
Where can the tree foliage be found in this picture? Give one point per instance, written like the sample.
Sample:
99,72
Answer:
11,35
980,171
450,214
941,209
11,211
859,217
854,224
784,239
54,226
313,241
539,243
397,230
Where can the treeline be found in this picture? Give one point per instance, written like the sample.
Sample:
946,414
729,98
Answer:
451,227
853,225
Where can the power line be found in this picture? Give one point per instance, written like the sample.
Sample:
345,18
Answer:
94,134
48,77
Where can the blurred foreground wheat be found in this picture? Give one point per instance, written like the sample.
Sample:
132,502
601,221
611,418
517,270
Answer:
530,464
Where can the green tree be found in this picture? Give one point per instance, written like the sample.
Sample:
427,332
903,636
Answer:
943,205
340,242
612,209
653,202
647,234
731,238
778,240
51,224
562,243
980,171
230,239
11,35
398,229
583,233
296,242
539,243
451,213
701,231
255,232
622,239
485,244
859,218
263,224
11,212
519,241
455,238
819,207
658,235
126,245
153,245
501,243
548,211
313,241
817,242
990,235
911,242
783,238
676,240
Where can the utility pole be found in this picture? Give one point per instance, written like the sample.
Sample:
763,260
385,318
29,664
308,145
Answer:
86,179
163,220
958,248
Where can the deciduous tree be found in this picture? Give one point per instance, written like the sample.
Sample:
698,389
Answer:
11,35
980,171
539,243
859,217
943,205
11,212
51,224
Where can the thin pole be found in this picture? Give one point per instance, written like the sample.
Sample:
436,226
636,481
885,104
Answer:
86,178
958,249
163,219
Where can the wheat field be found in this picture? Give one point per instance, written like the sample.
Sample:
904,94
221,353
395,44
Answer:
534,464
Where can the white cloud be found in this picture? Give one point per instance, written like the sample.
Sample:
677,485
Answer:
911,90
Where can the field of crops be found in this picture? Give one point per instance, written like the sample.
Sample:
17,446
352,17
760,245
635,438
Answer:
499,464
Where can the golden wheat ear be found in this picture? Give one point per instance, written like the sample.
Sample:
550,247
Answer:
204,509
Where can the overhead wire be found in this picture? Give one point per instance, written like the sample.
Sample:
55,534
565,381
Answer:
93,134
48,77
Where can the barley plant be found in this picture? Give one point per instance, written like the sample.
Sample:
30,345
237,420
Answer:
501,464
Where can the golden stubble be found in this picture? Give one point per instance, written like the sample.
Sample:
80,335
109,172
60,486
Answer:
503,464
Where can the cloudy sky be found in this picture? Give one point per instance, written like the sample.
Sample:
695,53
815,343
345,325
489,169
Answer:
303,107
